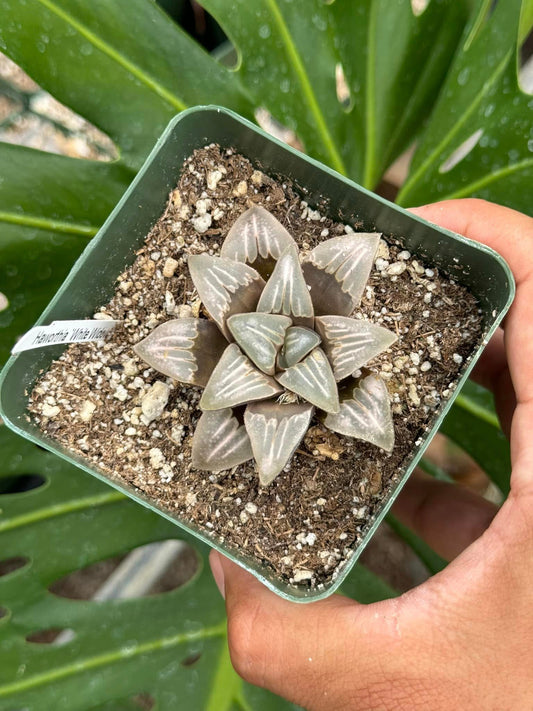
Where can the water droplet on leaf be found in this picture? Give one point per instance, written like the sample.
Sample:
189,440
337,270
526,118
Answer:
463,76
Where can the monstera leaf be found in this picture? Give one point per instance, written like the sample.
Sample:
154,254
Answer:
395,61
479,139
50,207
171,646
126,67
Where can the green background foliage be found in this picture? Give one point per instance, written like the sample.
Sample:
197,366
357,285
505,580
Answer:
435,79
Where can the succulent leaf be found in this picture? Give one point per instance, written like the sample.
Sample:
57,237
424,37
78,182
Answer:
350,343
275,432
225,287
313,380
186,349
366,414
299,341
220,442
337,272
286,291
260,336
235,380
257,239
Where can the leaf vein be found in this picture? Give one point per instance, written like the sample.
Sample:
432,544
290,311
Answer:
487,86
307,89
50,225
100,660
104,47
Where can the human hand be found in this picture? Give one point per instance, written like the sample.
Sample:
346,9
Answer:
464,638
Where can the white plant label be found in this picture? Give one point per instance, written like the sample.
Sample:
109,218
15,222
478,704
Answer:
58,332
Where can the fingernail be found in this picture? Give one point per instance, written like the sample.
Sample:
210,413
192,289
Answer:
218,572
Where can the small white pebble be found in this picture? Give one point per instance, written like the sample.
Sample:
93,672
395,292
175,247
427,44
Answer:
383,251
415,358
130,431
257,178
244,517
130,367
157,458
176,434
241,189
321,502
155,400
170,303
50,410
184,311
86,410
429,273
325,232
190,499
202,206
381,264
425,313
250,508
396,268
121,393
202,223
457,358
213,178
301,575
166,473
404,255
426,365
101,316
152,321
413,395
310,539
155,256
170,267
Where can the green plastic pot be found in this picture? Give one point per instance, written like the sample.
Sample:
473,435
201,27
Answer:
91,282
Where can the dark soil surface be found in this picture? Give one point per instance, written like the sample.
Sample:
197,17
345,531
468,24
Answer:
307,523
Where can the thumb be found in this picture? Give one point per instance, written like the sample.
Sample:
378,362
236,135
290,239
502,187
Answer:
301,652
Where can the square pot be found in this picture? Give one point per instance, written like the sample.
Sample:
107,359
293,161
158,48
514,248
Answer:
91,283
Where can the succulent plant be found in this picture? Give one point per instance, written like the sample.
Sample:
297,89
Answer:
279,344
